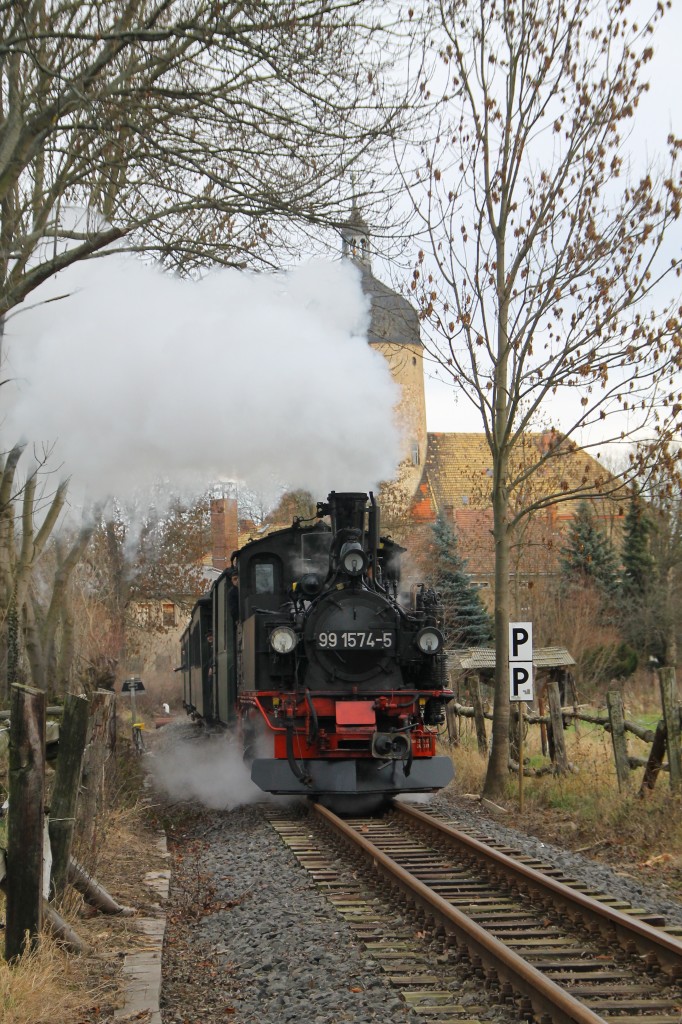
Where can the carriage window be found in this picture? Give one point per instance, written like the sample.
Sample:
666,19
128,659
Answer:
264,578
220,617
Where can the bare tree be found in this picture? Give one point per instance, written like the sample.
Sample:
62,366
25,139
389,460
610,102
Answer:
543,254
192,131
35,609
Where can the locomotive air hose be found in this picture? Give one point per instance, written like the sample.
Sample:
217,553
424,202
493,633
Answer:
313,714
300,773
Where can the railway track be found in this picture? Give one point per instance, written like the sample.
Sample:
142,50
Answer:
476,928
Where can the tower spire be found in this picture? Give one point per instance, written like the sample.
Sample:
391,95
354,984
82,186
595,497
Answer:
355,236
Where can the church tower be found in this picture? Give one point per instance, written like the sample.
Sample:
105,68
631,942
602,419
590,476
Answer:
394,331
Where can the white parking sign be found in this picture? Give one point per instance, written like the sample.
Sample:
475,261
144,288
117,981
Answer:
521,661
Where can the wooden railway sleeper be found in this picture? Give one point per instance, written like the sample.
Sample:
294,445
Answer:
545,996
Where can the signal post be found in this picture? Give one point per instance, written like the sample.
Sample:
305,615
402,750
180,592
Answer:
520,679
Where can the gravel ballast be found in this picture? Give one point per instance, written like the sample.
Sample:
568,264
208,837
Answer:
251,939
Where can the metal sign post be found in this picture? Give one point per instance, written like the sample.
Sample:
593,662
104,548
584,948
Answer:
520,679
132,686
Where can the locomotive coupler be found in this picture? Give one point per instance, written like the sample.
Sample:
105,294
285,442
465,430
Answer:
391,746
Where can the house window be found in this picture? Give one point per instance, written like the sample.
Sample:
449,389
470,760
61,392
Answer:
415,453
145,614
168,613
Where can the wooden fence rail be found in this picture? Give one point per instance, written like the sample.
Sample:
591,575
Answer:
666,736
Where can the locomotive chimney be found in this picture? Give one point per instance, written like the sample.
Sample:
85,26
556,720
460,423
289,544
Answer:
347,510
224,531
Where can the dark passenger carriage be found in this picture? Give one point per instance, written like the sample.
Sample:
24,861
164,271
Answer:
197,658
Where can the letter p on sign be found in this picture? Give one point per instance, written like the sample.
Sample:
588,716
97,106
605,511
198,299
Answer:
520,661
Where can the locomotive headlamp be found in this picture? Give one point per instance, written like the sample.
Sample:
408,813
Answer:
283,639
429,640
353,559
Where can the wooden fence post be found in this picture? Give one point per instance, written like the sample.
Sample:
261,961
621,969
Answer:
24,912
668,685
543,727
614,703
95,757
479,716
557,727
655,760
72,738
452,720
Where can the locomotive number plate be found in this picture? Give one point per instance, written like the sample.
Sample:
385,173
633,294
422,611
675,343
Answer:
379,639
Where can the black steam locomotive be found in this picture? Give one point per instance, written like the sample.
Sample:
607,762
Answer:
336,686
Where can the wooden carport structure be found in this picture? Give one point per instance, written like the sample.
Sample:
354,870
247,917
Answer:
472,668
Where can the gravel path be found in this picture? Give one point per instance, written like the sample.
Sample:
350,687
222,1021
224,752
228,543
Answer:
258,944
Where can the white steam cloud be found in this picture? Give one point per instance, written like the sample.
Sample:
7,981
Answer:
138,375
204,770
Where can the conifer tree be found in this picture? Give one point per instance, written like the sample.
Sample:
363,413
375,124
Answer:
466,623
645,609
638,563
588,554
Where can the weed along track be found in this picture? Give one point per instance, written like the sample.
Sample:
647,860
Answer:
467,931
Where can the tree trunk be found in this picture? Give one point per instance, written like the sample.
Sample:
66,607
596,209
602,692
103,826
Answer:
498,765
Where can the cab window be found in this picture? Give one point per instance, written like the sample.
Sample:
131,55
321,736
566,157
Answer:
264,578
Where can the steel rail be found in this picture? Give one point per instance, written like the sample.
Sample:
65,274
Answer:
544,995
649,941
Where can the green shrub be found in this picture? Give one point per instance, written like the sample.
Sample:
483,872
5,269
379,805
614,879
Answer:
609,661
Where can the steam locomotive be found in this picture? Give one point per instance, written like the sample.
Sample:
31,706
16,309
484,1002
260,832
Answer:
336,686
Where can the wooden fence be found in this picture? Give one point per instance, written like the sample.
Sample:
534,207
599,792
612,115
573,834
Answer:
664,739
38,862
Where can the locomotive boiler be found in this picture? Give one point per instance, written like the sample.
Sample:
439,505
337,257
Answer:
335,683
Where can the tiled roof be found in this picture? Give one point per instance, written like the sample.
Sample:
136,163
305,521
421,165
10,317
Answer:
484,657
393,318
458,472
458,468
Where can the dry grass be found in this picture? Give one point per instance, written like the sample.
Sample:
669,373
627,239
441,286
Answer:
584,809
48,985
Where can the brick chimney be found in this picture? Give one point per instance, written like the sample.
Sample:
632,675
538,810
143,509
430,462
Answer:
224,530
